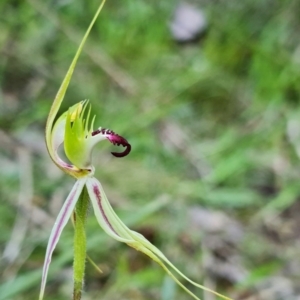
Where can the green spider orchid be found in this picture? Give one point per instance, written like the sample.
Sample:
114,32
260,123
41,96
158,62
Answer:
75,131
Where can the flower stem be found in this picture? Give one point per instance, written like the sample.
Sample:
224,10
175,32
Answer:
80,215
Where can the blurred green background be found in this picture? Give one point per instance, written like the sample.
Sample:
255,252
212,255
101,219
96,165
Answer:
213,176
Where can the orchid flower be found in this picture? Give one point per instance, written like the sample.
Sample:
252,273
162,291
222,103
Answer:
74,130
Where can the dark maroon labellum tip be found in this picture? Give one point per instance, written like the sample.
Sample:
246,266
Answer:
116,140
119,140
124,153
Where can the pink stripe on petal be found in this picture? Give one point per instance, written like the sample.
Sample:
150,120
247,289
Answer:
60,222
105,216
99,202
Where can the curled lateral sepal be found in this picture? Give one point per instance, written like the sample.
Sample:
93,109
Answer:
115,139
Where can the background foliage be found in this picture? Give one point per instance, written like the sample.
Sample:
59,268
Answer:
213,177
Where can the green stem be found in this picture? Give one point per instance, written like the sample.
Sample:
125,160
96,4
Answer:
80,215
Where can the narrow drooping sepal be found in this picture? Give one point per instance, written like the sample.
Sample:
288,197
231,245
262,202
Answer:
60,222
113,226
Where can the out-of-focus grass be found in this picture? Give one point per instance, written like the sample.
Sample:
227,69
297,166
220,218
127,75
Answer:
213,125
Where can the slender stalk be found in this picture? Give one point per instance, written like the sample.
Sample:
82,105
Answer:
80,215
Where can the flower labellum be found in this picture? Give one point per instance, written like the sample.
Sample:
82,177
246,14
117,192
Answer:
116,140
